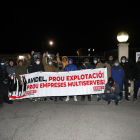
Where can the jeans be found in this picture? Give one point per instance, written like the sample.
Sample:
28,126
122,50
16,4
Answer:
121,89
136,88
108,97
125,82
83,96
100,96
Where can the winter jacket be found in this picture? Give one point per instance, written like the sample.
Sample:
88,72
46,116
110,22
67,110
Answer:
88,67
110,62
4,70
47,67
117,74
116,86
105,65
136,71
70,67
64,63
125,67
22,70
1,74
10,69
35,67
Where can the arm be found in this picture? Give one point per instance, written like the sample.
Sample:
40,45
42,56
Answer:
43,61
32,59
117,89
28,63
75,68
106,88
130,62
109,70
66,68
123,74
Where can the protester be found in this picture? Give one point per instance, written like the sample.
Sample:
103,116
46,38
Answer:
103,64
11,68
86,65
49,67
70,67
95,62
22,69
64,60
3,66
111,91
126,65
59,69
136,77
4,90
110,60
117,74
37,66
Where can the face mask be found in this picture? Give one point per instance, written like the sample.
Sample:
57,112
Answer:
60,68
95,61
102,61
110,83
50,63
116,64
38,62
2,63
87,64
123,61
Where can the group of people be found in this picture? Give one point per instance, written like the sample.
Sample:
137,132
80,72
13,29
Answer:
117,73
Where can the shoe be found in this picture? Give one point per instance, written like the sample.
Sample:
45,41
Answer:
120,101
116,103
55,100
67,99
41,99
75,99
127,100
109,102
82,99
60,99
45,99
33,100
89,99
134,100
99,99
51,98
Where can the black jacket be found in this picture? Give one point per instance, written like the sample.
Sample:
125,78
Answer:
88,67
35,67
136,71
111,63
126,67
1,74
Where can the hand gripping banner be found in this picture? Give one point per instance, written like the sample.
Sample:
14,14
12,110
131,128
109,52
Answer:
83,82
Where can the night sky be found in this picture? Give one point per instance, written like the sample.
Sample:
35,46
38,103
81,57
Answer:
71,25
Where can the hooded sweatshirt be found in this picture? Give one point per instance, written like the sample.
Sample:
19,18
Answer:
117,73
64,63
70,67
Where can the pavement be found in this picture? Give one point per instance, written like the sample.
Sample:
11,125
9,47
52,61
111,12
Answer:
71,120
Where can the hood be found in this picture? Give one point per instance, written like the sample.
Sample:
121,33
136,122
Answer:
110,81
70,59
64,57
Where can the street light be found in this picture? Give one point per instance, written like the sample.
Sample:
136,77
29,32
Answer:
122,36
51,43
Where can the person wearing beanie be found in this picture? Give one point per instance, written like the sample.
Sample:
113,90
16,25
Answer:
110,60
95,62
3,66
103,64
70,67
111,91
136,77
86,65
117,73
11,68
125,64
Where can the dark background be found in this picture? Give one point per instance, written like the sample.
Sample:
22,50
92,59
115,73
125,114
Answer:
71,25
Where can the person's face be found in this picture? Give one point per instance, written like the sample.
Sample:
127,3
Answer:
64,59
70,62
110,58
59,66
20,63
38,60
11,63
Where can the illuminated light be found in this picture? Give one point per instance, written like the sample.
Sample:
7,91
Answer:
93,50
89,50
122,37
21,57
51,43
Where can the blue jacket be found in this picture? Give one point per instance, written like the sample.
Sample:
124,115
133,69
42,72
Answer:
88,67
117,74
70,67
